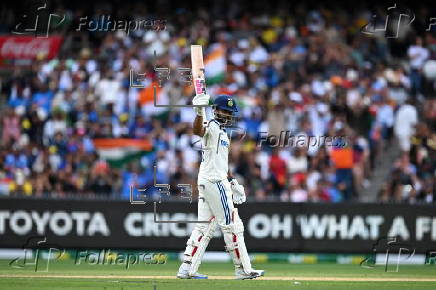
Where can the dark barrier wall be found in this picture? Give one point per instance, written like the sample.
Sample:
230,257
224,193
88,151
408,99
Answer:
281,227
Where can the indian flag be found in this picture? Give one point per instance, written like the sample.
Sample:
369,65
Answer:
215,64
146,95
120,151
146,99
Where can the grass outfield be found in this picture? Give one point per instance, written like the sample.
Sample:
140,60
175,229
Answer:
66,275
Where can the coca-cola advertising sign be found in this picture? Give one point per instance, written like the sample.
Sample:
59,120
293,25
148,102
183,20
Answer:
29,47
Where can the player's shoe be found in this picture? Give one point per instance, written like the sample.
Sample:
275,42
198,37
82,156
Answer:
241,275
183,273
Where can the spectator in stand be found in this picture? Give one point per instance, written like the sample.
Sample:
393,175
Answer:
277,173
404,183
417,57
405,120
11,127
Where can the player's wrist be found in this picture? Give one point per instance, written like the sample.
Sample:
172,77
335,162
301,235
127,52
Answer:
198,111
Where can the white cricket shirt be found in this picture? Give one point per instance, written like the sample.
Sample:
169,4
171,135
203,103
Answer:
215,153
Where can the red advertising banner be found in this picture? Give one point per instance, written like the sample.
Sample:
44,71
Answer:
29,47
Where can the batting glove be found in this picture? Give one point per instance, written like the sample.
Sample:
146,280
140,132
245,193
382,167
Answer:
238,192
200,100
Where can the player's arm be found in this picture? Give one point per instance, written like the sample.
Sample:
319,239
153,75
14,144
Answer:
198,126
229,175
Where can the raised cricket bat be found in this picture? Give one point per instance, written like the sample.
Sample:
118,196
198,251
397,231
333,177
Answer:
198,75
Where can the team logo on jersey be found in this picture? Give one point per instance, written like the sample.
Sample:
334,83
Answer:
224,143
230,103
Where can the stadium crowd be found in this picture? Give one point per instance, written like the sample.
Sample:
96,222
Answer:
308,72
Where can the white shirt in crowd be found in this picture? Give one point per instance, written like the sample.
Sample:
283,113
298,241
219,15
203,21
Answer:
405,120
417,55
299,195
297,164
107,91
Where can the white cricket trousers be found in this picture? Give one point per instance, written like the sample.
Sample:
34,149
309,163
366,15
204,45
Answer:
215,200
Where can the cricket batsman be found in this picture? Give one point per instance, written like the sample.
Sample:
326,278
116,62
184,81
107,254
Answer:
218,190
